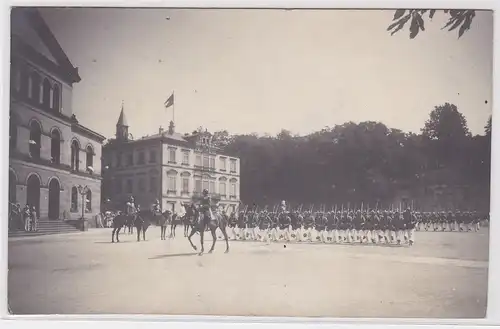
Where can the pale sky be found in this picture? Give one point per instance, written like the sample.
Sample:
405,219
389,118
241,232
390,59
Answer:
264,70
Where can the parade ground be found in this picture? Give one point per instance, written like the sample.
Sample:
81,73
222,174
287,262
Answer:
443,275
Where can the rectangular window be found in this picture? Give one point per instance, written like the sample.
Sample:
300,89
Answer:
152,185
197,186
222,188
142,184
118,186
171,155
233,165
233,189
185,157
212,163
130,187
206,162
119,160
185,185
130,159
152,156
205,185
171,183
211,187
222,164
141,158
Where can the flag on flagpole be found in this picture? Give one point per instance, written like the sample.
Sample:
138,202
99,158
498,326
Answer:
170,101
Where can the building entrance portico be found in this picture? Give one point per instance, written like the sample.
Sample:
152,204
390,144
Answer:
54,199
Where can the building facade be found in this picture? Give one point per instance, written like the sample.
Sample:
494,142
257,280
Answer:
169,167
54,162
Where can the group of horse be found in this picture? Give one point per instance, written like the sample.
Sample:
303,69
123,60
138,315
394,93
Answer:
193,220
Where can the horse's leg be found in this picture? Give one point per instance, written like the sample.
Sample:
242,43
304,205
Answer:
193,231
202,230
113,235
144,233
223,229
213,230
117,233
138,234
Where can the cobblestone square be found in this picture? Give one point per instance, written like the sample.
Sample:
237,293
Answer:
443,275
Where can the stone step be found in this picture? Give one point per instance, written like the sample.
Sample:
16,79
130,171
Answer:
46,227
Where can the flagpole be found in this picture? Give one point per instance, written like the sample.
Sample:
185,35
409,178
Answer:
173,107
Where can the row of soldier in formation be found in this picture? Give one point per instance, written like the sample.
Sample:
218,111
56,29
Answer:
345,226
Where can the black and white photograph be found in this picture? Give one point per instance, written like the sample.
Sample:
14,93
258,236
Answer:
264,162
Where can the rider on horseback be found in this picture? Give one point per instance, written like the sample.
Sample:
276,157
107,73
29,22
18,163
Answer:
156,208
131,209
206,206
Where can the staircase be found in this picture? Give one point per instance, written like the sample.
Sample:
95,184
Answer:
46,227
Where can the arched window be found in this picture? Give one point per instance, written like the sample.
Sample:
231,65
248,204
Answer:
47,91
75,155
35,87
89,157
12,132
55,146
15,79
233,188
172,181
56,99
223,186
25,84
12,186
74,199
88,201
35,139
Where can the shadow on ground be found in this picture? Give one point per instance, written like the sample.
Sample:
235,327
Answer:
186,254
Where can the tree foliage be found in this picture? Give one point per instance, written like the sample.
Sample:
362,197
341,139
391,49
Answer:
487,128
457,18
362,162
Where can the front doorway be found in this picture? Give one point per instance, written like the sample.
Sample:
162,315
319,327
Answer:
54,199
33,193
12,187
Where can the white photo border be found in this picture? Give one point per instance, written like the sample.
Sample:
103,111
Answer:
209,322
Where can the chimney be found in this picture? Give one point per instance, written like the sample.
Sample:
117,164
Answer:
160,131
171,128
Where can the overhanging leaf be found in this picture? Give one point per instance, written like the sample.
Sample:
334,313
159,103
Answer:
420,22
431,13
413,28
398,14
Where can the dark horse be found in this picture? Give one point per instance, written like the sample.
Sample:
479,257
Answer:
140,220
188,218
200,224
174,221
163,220
119,221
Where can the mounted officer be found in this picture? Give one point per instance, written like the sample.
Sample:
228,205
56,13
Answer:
206,206
130,208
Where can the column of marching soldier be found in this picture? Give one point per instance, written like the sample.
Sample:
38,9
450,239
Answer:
347,226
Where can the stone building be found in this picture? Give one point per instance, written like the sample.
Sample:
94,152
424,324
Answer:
51,155
168,166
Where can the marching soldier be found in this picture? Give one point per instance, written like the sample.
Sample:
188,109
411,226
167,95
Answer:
232,225
240,234
411,223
